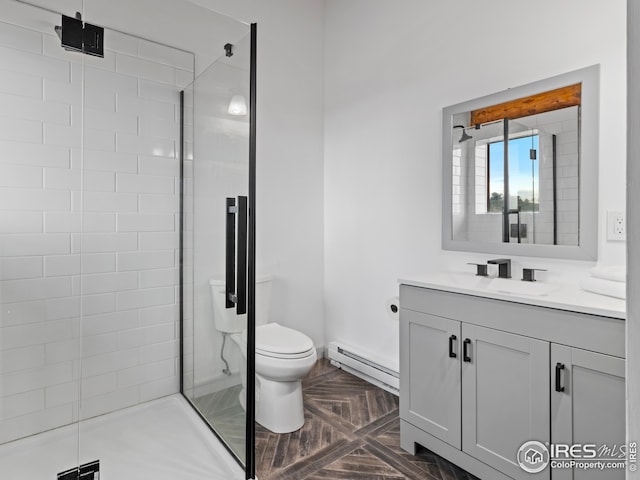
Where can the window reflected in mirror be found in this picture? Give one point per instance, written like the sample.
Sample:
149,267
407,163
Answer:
532,162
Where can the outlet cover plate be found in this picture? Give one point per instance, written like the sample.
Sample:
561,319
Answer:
616,226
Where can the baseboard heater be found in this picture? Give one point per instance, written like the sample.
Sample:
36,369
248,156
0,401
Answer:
354,362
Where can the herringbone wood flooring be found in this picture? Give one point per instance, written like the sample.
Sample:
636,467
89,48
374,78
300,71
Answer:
356,465
355,401
351,432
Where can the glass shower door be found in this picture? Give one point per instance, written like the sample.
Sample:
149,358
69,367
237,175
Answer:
217,253
39,305
532,180
513,161
127,203
523,182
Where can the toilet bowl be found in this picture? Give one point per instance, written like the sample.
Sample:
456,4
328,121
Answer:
282,357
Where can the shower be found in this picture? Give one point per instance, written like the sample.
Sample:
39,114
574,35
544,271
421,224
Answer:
107,145
77,36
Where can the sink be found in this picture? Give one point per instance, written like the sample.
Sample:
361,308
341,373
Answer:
458,281
515,287
563,296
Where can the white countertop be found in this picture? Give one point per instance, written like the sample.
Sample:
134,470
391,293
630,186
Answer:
543,294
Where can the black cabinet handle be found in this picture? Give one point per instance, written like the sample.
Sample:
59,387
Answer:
452,340
465,350
230,254
559,368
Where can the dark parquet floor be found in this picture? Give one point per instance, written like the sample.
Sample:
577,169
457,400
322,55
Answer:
351,432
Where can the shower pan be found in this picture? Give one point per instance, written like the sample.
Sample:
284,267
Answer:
117,149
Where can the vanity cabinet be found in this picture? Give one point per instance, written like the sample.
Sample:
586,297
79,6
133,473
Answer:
587,404
480,390
505,396
430,363
478,379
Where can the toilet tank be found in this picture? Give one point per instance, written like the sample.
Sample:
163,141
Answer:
225,319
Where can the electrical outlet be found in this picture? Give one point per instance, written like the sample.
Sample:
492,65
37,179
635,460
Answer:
616,226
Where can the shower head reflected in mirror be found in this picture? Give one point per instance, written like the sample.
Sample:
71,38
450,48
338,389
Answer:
465,136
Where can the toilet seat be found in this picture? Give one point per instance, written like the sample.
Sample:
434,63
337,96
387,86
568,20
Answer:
274,340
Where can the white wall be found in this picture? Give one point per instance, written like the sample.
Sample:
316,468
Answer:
390,69
89,184
289,154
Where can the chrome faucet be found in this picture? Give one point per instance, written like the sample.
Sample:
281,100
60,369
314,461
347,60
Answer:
504,267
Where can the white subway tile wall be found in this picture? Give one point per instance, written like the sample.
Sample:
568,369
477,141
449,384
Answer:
89,198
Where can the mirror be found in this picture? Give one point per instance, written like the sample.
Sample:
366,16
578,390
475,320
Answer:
520,170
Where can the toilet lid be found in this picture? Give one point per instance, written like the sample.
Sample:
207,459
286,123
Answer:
275,340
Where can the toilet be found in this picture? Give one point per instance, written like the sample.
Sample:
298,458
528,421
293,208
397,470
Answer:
282,357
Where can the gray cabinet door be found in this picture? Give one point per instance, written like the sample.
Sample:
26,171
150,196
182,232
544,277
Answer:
429,376
505,397
591,408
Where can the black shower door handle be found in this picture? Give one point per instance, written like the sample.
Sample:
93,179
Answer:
241,288
236,281
230,254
